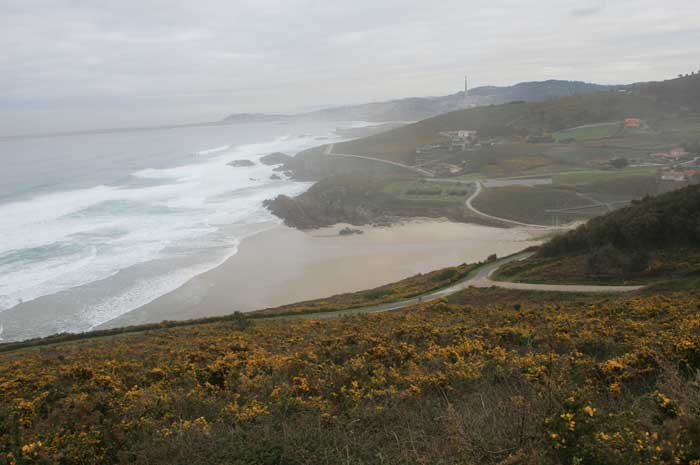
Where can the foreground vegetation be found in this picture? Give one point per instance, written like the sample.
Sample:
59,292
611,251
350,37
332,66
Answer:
521,380
420,284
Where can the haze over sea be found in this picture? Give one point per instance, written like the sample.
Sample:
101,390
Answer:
93,226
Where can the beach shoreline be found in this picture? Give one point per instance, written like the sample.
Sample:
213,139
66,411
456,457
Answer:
282,265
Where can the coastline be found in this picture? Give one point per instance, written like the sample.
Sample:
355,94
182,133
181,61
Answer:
283,265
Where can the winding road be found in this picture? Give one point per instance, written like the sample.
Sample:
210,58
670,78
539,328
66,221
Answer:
479,278
470,206
469,202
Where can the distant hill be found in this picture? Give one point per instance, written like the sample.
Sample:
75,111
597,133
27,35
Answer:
647,101
535,91
418,108
683,91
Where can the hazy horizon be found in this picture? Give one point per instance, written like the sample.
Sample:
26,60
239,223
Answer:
82,67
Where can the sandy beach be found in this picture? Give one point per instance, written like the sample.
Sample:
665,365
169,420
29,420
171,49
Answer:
283,265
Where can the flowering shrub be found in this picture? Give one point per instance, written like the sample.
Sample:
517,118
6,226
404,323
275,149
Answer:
588,381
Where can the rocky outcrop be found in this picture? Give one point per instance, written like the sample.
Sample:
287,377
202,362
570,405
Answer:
347,231
277,158
357,200
241,163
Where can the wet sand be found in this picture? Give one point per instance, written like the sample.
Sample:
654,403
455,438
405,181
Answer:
284,265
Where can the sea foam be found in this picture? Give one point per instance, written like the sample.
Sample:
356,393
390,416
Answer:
194,214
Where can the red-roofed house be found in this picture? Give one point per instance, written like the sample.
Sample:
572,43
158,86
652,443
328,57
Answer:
633,123
678,152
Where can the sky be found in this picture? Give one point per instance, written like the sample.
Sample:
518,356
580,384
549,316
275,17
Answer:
87,64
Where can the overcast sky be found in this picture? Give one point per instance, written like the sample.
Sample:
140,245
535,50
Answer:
84,64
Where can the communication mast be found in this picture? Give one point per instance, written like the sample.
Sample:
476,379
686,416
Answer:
466,90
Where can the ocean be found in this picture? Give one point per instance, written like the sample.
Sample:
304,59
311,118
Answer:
94,226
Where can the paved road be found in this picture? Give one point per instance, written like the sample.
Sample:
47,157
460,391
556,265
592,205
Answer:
469,203
481,278
417,170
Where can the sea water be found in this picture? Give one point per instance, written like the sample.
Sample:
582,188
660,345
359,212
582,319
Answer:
94,226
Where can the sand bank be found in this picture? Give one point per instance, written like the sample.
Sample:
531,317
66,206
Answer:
283,265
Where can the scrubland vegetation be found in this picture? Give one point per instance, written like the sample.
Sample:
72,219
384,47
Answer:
486,376
519,380
654,238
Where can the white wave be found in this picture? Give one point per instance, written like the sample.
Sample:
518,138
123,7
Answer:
143,292
223,148
111,229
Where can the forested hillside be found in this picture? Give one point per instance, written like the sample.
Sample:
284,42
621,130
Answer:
654,238
683,91
669,220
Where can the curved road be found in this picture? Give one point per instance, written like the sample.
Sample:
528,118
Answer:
480,278
469,203
471,207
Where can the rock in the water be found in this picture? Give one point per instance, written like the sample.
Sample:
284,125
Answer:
241,163
350,231
275,177
277,158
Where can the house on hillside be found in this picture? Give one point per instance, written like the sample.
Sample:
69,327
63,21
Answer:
670,156
461,140
633,123
448,169
678,152
430,148
677,176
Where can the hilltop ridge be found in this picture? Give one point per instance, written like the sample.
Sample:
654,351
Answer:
647,101
418,108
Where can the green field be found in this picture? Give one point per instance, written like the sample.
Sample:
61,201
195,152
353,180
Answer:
584,177
529,204
412,189
592,132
